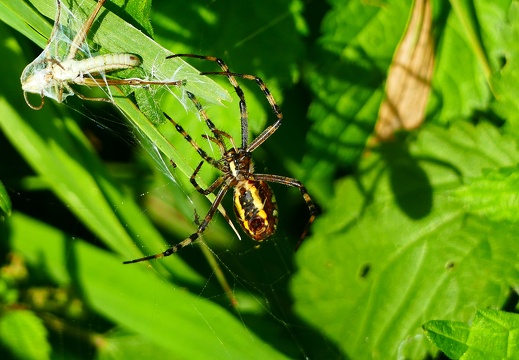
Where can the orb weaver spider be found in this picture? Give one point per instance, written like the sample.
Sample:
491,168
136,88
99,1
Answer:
255,205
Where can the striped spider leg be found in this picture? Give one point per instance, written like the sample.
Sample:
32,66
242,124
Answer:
51,74
255,205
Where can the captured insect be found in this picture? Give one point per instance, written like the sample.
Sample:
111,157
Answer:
52,73
255,205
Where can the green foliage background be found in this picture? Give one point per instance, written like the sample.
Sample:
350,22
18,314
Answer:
412,231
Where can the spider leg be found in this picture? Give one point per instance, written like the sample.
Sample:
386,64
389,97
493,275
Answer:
265,134
131,82
229,137
206,118
243,106
186,136
218,142
218,182
191,238
211,188
294,183
216,132
244,119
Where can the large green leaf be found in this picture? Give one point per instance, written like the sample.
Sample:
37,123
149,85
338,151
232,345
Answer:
397,249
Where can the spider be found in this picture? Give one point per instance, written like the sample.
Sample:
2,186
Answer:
255,205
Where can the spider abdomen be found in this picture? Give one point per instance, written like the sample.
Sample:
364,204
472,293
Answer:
256,208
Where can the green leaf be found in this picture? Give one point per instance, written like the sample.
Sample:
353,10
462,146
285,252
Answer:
449,336
505,80
356,48
25,19
148,106
492,195
130,40
5,203
493,334
139,11
23,333
395,249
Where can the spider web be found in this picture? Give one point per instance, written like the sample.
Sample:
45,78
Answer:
60,45
125,40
